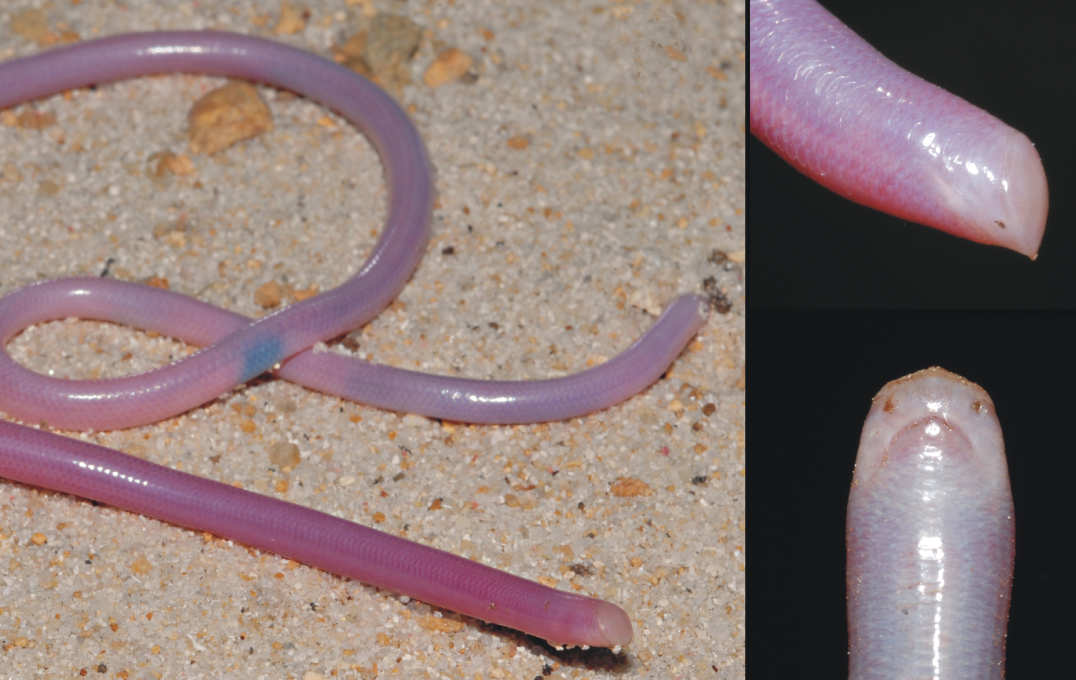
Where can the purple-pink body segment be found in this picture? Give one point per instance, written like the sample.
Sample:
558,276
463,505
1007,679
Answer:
838,111
241,356
127,402
308,536
237,349
930,534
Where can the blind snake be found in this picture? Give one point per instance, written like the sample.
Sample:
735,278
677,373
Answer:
237,349
843,114
930,534
930,538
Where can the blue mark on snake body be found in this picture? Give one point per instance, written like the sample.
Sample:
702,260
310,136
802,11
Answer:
260,357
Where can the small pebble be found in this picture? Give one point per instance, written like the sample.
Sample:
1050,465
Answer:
448,66
626,487
284,454
268,295
431,622
227,115
519,142
292,19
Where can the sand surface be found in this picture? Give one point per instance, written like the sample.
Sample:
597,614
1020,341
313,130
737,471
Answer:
589,167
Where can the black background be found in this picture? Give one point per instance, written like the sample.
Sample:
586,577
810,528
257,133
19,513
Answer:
842,299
